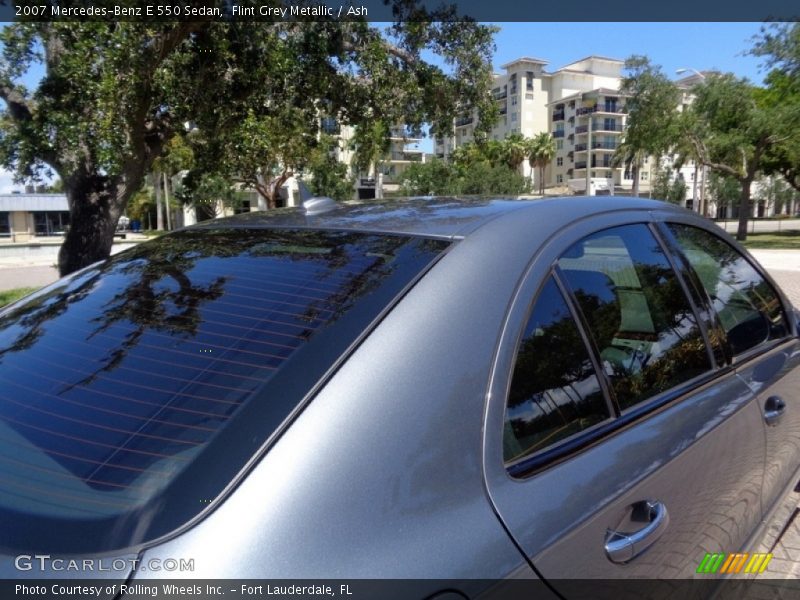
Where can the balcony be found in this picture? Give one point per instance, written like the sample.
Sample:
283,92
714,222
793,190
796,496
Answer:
558,116
604,145
608,108
580,147
500,95
581,129
402,133
406,156
503,109
580,165
600,108
559,133
461,121
600,126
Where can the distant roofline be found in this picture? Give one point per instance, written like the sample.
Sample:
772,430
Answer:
529,59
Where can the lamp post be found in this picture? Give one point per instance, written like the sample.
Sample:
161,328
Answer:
702,209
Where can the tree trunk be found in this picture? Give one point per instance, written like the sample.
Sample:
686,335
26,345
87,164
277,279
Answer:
159,205
744,209
635,174
95,206
166,202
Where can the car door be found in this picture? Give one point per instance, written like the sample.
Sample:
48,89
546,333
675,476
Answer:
762,340
617,442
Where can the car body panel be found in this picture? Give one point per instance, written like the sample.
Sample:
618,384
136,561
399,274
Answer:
393,466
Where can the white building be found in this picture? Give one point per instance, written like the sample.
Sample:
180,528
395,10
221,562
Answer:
579,104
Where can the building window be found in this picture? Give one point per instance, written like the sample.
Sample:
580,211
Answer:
559,144
627,174
514,101
5,224
529,96
559,178
560,161
529,80
513,116
50,223
609,174
643,176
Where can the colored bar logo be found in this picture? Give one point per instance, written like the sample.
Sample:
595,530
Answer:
741,562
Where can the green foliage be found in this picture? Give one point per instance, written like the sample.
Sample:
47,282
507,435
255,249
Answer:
447,179
652,108
9,296
724,190
114,94
141,205
328,173
734,128
210,194
434,178
541,149
669,187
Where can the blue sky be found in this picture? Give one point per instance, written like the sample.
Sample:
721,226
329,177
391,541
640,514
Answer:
699,46
672,45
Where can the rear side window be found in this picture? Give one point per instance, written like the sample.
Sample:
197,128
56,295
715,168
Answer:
641,322
132,393
748,308
554,391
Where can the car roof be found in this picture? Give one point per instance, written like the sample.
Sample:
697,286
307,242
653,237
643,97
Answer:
441,217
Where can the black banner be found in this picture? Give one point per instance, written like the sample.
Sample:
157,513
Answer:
381,10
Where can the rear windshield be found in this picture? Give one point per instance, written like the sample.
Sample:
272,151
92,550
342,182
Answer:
133,392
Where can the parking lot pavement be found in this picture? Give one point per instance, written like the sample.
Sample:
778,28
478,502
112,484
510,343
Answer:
34,276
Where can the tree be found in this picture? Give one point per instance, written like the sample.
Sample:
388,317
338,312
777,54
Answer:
433,178
211,196
114,94
723,190
541,150
449,179
515,150
780,45
731,132
328,173
652,109
668,187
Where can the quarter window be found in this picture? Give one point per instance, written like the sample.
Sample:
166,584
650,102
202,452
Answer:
642,324
554,391
749,310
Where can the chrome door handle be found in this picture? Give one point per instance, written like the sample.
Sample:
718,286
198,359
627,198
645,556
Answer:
623,547
774,408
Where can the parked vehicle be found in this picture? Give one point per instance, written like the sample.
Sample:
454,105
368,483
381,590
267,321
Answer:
430,389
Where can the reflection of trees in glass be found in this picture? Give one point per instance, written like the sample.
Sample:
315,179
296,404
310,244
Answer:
640,319
739,294
254,296
554,376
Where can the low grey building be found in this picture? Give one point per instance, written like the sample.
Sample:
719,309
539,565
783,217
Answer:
26,216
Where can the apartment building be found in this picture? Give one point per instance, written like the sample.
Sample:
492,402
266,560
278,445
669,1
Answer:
579,104
404,150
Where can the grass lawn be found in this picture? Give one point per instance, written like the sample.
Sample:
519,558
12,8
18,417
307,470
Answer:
775,240
8,296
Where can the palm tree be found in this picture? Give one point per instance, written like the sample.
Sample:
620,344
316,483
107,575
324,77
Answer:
514,150
632,157
541,151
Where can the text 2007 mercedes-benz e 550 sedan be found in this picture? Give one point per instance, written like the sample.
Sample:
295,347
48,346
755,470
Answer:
428,388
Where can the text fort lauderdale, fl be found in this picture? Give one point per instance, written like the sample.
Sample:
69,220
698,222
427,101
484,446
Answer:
299,11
